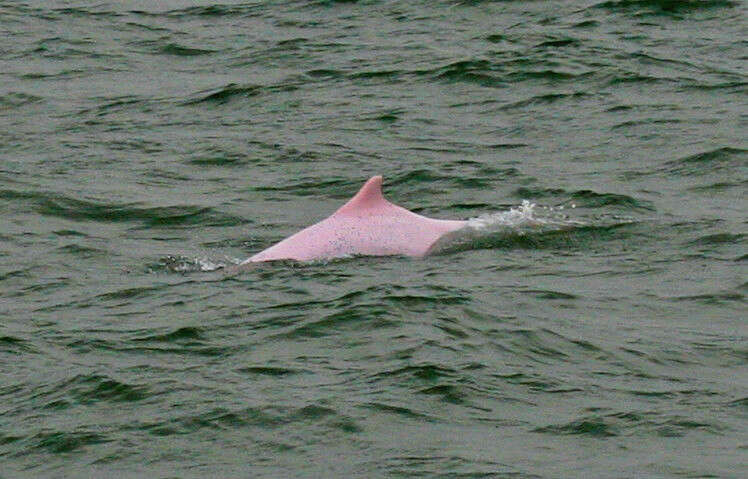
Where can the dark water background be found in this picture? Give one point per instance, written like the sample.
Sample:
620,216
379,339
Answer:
145,144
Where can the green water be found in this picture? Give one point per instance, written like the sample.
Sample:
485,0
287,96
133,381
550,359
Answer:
146,145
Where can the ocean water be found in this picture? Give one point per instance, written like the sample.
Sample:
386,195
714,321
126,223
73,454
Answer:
595,328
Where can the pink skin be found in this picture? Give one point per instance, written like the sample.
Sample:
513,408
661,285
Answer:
367,225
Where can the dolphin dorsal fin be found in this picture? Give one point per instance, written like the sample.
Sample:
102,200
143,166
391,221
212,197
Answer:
368,197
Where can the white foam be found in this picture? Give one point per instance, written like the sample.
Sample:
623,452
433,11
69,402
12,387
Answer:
208,265
525,215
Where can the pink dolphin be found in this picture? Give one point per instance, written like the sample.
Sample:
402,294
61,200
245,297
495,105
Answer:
367,225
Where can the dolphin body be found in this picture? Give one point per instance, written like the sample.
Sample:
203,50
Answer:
366,225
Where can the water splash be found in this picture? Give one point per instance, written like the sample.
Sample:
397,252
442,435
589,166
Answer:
493,229
184,265
527,215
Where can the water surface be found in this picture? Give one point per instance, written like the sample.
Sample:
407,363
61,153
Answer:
597,330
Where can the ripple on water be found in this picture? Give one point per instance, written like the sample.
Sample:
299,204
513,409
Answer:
631,423
59,442
708,162
15,345
178,216
645,8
